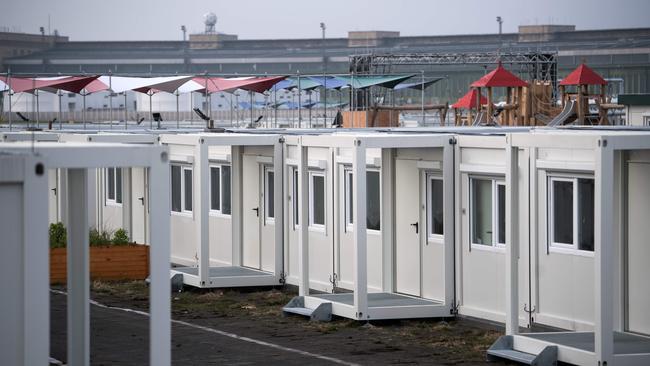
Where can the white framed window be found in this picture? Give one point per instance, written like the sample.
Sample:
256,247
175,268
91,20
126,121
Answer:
487,212
373,199
571,213
181,187
220,189
434,206
113,186
317,200
269,196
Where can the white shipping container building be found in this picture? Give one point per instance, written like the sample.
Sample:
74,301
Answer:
532,227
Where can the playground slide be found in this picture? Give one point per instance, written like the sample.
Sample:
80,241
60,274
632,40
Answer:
481,118
567,112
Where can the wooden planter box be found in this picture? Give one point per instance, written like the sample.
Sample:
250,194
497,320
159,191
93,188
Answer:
125,262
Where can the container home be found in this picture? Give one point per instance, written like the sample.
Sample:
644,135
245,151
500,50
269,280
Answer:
588,246
226,226
411,261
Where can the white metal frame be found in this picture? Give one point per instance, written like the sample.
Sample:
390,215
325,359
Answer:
78,159
201,210
360,310
605,145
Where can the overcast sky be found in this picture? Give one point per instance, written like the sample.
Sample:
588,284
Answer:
83,20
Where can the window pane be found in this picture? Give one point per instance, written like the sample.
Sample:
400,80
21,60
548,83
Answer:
586,214
270,197
296,220
225,190
481,206
318,199
110,178
187,175
118,185
176,188
373,208
350,197
215,189
501,213
436,206
562,212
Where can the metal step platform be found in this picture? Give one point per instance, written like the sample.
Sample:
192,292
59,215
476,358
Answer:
322,313
503,349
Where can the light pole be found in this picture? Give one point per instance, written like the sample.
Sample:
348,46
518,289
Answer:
500,21
183,29
323,27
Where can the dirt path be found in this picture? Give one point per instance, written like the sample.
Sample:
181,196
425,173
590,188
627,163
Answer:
120,338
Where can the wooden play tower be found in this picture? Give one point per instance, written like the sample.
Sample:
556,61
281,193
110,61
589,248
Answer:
467,103
514,111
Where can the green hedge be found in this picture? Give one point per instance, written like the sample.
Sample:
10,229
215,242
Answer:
59,237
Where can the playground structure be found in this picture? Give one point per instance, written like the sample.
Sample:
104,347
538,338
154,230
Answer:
467,102
513,112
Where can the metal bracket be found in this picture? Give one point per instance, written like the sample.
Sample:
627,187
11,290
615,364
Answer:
283,278
334,278
532,310
454,308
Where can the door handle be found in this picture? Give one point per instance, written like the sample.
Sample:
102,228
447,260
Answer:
141,200
417,227
54,190
257,211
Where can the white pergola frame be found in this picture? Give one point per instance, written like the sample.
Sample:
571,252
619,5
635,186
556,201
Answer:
201,210
77,158
28,136
359,143
604,144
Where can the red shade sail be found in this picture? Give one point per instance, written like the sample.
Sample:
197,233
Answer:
468,101
583,75
22,85
73,84
499,77
215,84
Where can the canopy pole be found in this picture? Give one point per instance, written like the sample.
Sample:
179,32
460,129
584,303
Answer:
110,100
83,112
231,112
422,100
178,113
11,120
299,102
275,106
310,107
251,95
38,111
60,94
125,112
150,110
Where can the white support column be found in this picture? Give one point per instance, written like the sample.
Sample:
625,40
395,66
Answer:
159,263
236,204
78,269
387,219
278,165
360,230
127,211
94,203
448,221
303,220
512,242
200,208
604,254
36,275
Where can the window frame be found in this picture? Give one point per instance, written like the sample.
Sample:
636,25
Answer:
347,202
432,237
219,211
495,181
295,178
312,225
574,247
267,170
114,201
183,168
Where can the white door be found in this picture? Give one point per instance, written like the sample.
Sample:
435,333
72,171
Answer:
267,237
252,212
638,255
407,228
139,204
53,195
